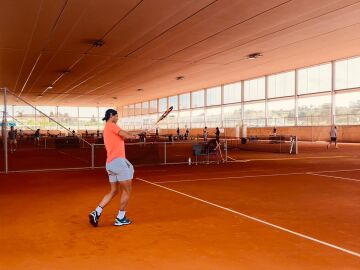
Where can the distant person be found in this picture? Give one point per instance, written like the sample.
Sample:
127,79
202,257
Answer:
274,131
21,133
37,137
157,133
119,169
73,133
333,137
178,133
98,133
12,139
205,134
86,133
217,135
187,133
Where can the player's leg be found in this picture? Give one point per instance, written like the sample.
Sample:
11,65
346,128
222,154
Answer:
125,187
94,216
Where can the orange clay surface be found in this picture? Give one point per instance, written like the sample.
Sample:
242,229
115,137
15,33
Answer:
44,215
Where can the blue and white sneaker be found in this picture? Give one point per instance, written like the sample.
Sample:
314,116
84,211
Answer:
94,218
121,222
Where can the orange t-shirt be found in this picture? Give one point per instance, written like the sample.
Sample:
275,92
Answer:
114,144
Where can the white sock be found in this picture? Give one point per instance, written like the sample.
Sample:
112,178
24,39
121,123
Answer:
98,210
121,214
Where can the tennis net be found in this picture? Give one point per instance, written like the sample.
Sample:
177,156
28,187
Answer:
268,144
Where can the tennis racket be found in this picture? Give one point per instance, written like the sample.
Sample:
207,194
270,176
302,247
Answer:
162,117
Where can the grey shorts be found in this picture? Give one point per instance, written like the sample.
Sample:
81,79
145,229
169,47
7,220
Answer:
119,169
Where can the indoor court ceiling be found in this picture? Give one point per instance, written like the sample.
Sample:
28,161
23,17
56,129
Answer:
148,43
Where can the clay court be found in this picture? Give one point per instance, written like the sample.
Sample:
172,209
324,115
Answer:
241,119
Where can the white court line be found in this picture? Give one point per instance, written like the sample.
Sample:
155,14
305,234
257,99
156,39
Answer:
256,219
229,177
270,159
261,175
345,170
337,177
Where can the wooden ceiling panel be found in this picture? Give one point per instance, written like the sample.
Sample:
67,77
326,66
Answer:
10,64
147,21
280,18
306,30
210,21
96,20
150,42
17,22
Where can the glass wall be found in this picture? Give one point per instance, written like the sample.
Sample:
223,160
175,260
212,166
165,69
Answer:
315,79
254,89
213,96
232,93
184,101
173,101
347,73
163,105
198,99
281,85
324,94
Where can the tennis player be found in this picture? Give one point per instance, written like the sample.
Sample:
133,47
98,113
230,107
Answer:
333,137
119,169
12,139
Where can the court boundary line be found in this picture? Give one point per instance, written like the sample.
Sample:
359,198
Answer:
255,219
228,177
260,175
337,177
289,158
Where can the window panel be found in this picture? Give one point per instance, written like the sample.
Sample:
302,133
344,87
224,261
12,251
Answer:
153,106
198,99
254,114
347,108
184,101
162,105
197,118
131,110
314,110
213,96
173,101
347,73
314,79
254,89
232,93
281,85
281,112
137,109
145,107
232,115
213,117
88,112
184,119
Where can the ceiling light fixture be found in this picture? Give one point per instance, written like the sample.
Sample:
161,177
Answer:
66,71
180,78
253,56
98,43
50,87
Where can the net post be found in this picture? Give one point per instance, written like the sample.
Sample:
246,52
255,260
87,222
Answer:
164,152
226,151
4,128
92,156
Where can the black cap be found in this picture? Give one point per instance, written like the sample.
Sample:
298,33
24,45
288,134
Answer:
109,113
